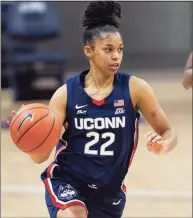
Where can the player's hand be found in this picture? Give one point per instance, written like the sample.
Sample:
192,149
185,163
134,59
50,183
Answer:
155,143
13,114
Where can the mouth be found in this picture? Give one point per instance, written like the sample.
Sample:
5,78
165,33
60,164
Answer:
114,67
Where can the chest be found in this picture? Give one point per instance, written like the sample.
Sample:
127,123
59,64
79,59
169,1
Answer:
113,113
98,95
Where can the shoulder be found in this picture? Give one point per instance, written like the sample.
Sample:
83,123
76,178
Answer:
139,88
123,75
73,77
76,78
60,94
137,83
122,78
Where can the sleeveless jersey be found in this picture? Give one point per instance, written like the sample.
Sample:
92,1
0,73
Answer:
101,136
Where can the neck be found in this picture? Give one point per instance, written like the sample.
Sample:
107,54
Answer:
98,80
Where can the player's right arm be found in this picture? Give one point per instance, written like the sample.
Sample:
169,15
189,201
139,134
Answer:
58,105
188,78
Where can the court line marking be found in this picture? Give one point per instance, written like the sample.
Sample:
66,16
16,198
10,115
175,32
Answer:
33,189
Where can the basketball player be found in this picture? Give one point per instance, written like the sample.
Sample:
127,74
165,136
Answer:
188,79
101,108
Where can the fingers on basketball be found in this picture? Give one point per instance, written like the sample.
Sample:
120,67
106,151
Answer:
35,129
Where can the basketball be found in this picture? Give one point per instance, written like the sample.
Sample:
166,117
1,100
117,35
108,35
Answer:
35,128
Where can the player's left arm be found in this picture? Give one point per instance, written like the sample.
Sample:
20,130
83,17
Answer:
164,139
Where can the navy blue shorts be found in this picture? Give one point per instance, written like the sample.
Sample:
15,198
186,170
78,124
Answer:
63,192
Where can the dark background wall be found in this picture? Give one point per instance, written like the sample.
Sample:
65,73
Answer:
156,34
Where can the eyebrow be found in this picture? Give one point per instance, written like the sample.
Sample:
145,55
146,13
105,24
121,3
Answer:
113,45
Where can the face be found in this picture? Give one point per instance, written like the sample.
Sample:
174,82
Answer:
106,54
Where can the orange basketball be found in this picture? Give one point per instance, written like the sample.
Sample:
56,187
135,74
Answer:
35,128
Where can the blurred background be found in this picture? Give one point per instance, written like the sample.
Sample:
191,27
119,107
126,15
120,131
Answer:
41,46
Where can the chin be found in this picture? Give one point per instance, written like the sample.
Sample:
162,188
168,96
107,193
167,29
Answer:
110,73
113,72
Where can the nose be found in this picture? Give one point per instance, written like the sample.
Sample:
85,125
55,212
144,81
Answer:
115,56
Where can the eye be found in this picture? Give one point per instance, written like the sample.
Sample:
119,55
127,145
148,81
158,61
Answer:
120,49
108,49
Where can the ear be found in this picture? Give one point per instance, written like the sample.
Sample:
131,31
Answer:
88,51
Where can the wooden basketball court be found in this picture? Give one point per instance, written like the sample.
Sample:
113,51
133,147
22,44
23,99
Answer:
157,186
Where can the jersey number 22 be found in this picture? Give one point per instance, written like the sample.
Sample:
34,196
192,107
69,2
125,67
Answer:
102,151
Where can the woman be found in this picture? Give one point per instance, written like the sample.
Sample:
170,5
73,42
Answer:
101,108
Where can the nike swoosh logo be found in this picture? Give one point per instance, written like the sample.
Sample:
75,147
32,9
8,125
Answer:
78,107
116,203
27,116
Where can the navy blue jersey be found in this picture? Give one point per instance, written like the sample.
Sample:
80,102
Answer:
101,135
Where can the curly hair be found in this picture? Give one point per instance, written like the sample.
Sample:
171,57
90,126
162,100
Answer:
100,17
